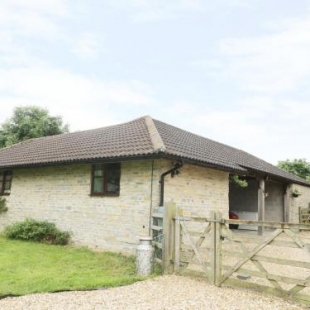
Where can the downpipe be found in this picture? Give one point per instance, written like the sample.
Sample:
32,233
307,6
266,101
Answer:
173,171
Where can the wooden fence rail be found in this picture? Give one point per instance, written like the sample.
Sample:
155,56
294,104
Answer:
277,262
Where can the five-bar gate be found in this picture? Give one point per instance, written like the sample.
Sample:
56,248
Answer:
278,262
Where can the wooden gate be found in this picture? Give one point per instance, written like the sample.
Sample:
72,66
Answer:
162,228
304,215
278,262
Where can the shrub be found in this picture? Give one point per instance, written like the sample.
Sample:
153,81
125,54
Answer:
38,231
3,207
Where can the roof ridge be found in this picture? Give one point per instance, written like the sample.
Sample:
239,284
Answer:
155,137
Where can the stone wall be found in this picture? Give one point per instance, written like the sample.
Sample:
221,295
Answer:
199,190
301,201
62,194
274,201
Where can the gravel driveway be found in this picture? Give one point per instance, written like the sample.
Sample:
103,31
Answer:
165,292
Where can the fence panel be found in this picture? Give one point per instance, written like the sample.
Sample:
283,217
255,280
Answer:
194,252
304,215
278,262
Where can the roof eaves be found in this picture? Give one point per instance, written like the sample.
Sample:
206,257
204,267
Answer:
290,178
82,160
214,165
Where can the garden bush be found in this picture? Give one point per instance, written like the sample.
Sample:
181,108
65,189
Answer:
38,231
3,207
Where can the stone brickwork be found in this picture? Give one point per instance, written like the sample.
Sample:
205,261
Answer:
274,201
302,201
62,194
199,190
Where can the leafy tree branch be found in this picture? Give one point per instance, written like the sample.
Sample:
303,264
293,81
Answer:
30,122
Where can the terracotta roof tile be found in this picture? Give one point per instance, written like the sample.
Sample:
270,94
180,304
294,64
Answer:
191,146
138,138
129,139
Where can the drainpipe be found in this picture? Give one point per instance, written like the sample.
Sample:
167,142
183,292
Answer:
173,171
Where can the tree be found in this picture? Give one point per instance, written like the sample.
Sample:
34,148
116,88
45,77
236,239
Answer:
30,122
299,167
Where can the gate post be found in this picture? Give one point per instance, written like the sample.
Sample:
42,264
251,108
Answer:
212,247
168,232
177,243
215,248
218,249
261,205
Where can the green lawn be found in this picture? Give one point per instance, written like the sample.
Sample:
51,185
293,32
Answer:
27,267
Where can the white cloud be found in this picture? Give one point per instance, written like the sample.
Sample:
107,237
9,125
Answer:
144,10
269,129
49,7
26,78
242,3
86,46
213,64
26,26
32,18
272,63
70,95
269,70
23,22
265,67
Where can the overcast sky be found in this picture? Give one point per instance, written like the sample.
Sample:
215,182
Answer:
235,71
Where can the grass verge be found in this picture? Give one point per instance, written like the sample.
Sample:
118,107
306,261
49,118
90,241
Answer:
27,267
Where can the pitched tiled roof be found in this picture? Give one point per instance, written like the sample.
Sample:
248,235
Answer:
138,138
190,146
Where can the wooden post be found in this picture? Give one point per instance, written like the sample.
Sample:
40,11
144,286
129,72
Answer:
287,200
213,247
177,244
261,204
168,231
218,249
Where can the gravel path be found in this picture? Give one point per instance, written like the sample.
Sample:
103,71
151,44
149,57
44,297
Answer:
165,292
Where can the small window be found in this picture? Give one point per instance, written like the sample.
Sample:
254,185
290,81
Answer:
5,182
105,179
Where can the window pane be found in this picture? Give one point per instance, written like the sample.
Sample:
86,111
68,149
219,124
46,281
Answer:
98,185
113,178
98,170
7,185
5,181
112,188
